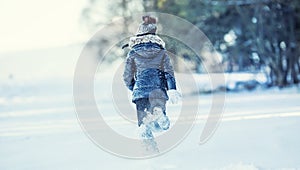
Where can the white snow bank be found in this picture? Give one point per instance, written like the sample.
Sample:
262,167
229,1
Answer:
240,166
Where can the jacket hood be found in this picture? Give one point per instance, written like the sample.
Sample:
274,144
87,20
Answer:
148,38
147,52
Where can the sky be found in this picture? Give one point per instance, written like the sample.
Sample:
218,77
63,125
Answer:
35,24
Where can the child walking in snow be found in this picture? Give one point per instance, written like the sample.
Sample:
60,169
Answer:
150,76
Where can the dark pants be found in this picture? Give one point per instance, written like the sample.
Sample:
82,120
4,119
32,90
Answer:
144,105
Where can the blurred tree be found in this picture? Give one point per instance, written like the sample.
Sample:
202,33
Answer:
196,12
99,14
276,42
249,33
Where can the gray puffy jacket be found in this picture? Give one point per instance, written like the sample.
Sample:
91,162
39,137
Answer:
148,72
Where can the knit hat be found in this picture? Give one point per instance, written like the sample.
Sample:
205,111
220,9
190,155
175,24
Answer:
148,26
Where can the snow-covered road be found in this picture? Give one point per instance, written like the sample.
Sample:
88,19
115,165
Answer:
259,129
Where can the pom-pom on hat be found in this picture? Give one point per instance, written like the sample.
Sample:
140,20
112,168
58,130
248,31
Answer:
148,26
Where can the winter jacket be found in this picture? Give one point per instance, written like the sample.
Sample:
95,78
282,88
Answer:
148,72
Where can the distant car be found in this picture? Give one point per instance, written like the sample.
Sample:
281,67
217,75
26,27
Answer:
232,81
243,80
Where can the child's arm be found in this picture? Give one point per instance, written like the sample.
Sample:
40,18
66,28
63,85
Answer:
169,72
129,72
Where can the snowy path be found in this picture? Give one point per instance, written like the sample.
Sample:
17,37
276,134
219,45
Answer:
259,130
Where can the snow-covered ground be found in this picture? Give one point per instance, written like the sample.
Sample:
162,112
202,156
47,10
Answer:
39,127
